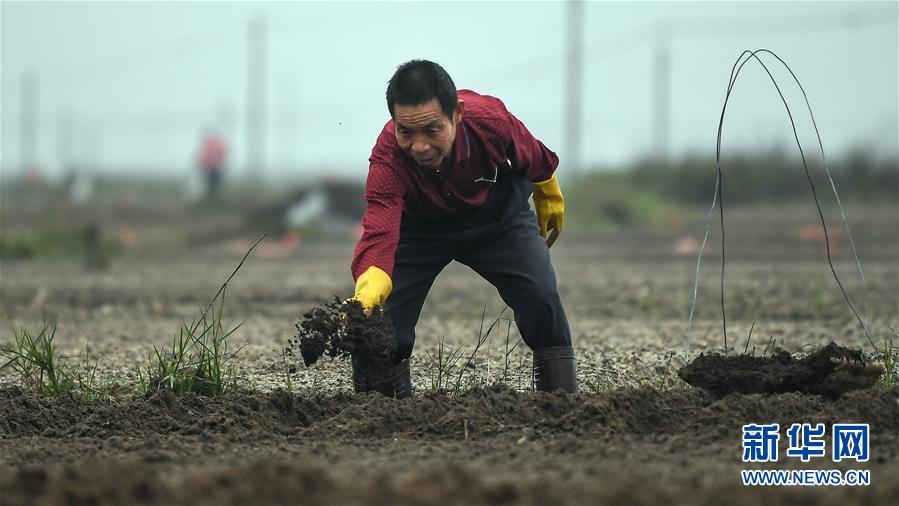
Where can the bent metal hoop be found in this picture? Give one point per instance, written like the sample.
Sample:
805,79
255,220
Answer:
744,57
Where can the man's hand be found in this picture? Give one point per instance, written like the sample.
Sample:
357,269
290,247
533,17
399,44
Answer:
550,207
372,288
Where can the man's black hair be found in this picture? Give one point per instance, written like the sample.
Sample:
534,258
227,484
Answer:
418,81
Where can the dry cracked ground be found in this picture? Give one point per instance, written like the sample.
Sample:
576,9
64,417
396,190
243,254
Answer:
635,433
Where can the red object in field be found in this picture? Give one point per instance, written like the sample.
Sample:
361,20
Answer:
271,248
35,176
815,234
290,241
127,237
685,245
674,222
212,152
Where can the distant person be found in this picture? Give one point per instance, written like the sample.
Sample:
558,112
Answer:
212,160
35,176
449,179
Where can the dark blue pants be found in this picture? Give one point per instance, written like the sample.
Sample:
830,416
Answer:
502,243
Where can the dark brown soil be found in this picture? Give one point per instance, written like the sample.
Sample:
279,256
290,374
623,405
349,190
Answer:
624,293
342,329
830,371
298,482
489,446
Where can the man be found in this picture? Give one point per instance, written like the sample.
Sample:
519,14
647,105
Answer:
449,179
212,160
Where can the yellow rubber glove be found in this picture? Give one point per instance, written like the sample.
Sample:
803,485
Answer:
550,207
372,288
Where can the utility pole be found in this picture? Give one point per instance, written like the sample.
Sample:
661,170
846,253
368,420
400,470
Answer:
92,149
255,124
65,139
224,119
661,91
28,140
574,71
287,123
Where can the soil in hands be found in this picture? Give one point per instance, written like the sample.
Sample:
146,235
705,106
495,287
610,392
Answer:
342,329
830,372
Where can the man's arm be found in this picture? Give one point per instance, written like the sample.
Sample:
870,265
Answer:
539,165
528,154
372,265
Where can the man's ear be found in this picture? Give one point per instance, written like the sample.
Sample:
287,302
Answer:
457,114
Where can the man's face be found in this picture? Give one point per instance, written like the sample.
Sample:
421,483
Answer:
425,133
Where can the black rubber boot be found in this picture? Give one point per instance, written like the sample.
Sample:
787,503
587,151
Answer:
554,369
395,382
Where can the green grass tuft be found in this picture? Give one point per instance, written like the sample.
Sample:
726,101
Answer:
442,365
199,360
37,362
890,359
43,370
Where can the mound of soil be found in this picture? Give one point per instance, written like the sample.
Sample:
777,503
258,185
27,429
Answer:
489,446
497,411
342,329
830,372
438,484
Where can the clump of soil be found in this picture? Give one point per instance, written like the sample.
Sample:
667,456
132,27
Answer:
830,372
342,329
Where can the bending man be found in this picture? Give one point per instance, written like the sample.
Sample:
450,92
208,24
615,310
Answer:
449,179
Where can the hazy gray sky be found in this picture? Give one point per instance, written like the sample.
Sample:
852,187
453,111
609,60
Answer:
128,86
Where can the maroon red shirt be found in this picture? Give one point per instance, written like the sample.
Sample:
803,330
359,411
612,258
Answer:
487,136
